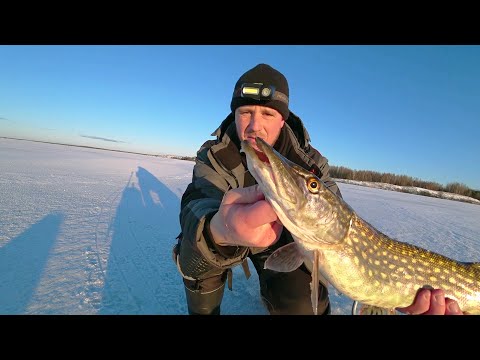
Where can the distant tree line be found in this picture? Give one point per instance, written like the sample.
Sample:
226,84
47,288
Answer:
188,158
342,172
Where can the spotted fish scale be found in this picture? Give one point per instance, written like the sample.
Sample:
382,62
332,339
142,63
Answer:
374,269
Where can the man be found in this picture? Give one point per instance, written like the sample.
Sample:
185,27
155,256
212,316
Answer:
225,219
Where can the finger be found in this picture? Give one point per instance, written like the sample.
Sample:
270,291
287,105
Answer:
437,303
271,235
257,214
420,305
452,308
246,195
277,228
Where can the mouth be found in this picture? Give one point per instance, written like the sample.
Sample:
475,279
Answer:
258,160
252,141
271,172
262,157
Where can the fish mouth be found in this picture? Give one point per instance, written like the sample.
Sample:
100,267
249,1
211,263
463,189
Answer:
274,173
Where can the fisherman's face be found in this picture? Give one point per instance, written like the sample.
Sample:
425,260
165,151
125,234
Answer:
261,121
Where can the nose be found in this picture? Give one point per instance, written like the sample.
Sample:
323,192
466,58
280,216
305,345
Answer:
255,121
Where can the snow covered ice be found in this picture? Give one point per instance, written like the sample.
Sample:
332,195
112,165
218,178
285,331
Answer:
90,231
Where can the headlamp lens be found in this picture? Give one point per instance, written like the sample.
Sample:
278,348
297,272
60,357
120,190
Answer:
250,91
266,92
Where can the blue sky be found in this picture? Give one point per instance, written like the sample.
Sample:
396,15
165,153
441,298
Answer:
409,110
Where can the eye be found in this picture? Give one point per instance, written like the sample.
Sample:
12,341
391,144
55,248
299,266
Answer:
268,113
312,185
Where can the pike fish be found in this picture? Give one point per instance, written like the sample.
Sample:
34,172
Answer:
342,249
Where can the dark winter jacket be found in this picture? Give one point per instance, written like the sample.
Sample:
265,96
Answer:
219,167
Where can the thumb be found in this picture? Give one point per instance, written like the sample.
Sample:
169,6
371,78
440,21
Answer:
246,195
258,214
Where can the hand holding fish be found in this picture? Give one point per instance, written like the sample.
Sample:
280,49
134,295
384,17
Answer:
245,218
432,302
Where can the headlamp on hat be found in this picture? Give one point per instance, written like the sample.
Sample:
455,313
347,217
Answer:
260,91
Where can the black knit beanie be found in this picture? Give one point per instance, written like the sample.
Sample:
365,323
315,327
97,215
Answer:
268,76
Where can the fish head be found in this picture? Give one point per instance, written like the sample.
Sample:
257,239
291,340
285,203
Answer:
304,205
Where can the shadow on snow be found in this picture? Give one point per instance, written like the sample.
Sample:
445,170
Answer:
138,277
22,262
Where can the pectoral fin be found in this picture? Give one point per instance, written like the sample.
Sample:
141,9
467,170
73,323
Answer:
285,259
364,309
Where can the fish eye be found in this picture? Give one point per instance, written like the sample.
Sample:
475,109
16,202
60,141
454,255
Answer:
312,185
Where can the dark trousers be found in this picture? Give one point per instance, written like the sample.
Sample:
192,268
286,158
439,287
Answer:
284,293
